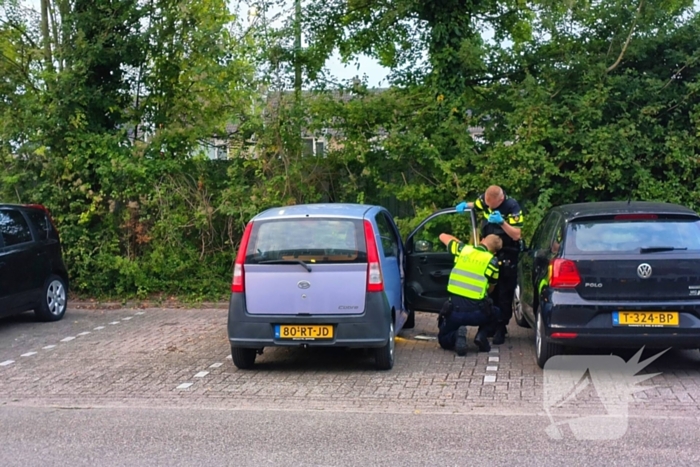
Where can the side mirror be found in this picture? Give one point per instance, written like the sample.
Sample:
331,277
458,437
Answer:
423,246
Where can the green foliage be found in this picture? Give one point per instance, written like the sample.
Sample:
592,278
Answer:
577,129
107,107
106,140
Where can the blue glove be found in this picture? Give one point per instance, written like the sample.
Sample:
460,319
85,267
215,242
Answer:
496,218
461,206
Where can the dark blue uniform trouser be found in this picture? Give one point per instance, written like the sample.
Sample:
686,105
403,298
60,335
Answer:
505,290
465,312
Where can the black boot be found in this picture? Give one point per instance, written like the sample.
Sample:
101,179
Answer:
461,343
500,335
481,340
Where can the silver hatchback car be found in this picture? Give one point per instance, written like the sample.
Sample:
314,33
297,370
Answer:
336,275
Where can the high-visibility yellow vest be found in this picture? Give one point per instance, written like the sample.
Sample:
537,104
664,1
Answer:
468,277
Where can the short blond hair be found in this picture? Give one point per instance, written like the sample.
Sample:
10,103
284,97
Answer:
493,242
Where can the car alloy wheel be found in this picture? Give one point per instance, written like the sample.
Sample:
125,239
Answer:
518,309
56,298
53,306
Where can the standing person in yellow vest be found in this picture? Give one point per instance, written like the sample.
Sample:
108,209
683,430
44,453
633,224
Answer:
473,277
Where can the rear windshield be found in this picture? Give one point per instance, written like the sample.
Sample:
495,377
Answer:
312,240
632,236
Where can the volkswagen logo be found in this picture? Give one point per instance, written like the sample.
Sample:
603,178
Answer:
644,271
303,284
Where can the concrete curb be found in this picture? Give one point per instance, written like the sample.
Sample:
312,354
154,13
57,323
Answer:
141,304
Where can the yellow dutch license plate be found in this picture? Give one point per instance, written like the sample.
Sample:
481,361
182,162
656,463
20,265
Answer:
303,332
646,318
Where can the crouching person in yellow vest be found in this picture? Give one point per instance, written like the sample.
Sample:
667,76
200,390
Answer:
473,277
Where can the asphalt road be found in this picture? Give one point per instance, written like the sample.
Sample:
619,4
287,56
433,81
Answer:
196,437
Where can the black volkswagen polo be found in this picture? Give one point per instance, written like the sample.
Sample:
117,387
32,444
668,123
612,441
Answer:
612,274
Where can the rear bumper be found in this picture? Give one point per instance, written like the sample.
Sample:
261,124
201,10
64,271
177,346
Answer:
366,330
592,323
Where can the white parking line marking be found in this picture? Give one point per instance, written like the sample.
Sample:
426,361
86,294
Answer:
7,362
201,374
494,359
490,379
228,358
84,333
493,350
28,354
215,365
48,347
140,313
98,328
114,322
127,318
491,368
67,339
184,386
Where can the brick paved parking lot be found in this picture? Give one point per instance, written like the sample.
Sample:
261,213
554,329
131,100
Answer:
180,357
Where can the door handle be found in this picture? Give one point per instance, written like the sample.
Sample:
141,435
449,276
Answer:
424,259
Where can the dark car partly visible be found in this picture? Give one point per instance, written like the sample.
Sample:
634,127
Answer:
614,275
32,273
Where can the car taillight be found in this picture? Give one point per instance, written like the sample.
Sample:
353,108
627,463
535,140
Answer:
238,285
563,274
375,283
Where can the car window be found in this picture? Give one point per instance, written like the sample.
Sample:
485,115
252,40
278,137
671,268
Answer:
542,241
558,237
315,240
14,228
427,238
390,243
538,233
41,222
601,236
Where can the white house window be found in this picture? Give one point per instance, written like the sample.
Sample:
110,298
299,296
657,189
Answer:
314,147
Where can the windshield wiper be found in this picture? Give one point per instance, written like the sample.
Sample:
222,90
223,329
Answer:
287,261
656,249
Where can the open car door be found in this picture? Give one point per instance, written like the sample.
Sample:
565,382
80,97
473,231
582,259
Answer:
428,263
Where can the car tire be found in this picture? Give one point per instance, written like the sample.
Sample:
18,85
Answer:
384,356
54,300
243,358
410,321
518,309
544,350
